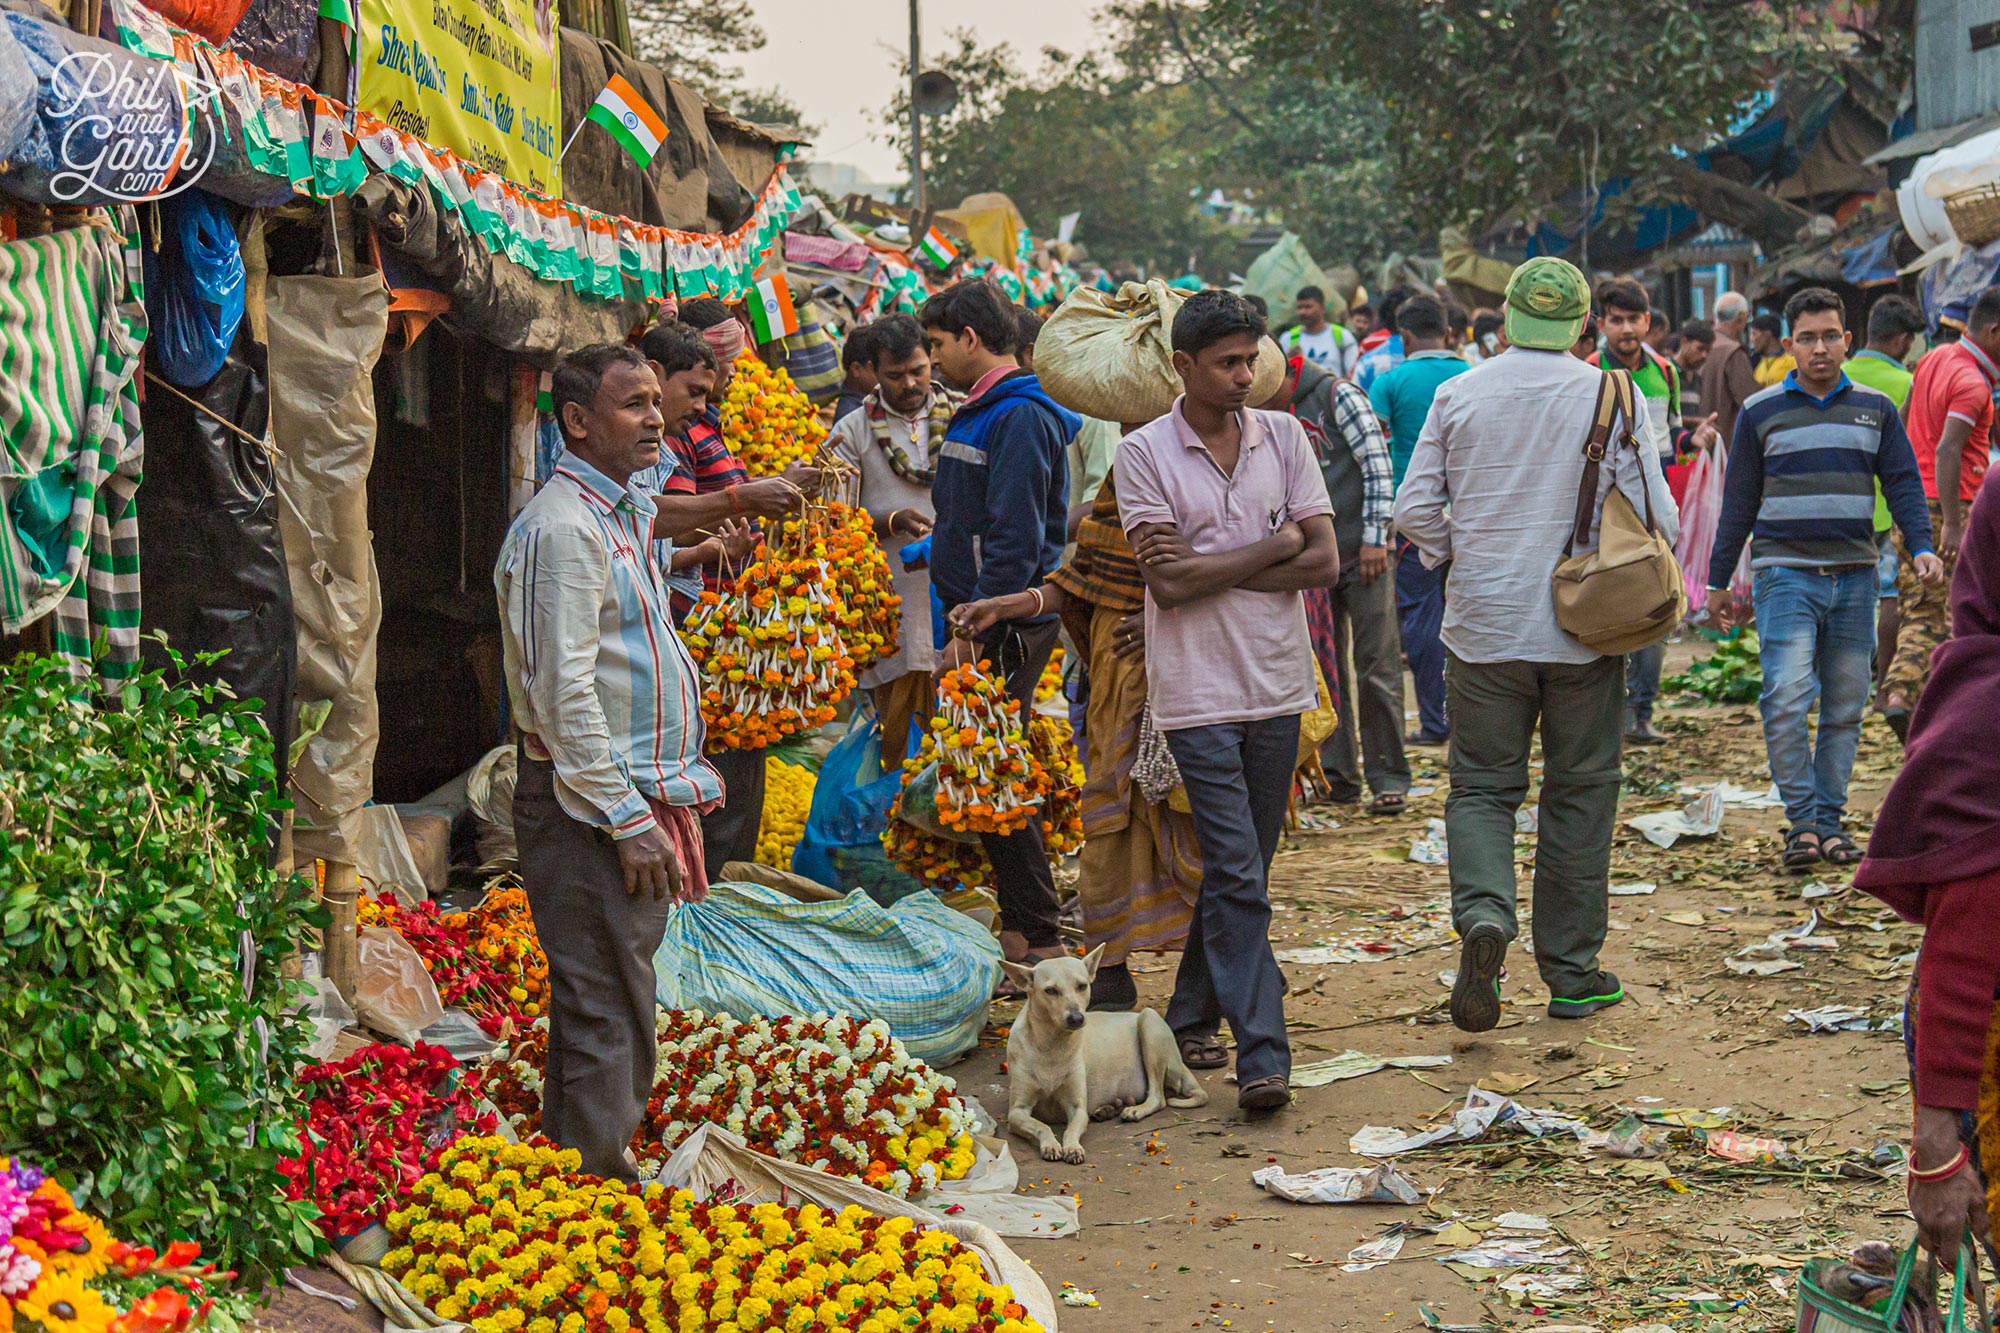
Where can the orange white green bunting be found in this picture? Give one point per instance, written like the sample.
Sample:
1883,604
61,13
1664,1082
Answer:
772,315
624,113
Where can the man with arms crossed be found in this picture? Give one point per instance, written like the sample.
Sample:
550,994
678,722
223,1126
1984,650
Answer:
1230,521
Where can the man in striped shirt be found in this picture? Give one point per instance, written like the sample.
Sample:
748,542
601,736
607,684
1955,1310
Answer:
1801,488
611,774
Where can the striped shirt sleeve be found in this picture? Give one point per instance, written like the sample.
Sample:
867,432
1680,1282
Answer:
556,587
1357,423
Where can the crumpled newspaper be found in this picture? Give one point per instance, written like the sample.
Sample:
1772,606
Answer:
1482,1111
1340,1184
1701,818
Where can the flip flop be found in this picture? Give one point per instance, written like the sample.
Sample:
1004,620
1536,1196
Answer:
1203,1052
1389,803
1800,855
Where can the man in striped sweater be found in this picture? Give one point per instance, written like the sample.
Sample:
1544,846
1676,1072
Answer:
1801,488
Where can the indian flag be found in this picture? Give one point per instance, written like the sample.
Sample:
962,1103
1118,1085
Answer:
935,248
772,315
636,126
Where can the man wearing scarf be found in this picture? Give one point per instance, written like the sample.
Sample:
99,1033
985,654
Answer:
891,441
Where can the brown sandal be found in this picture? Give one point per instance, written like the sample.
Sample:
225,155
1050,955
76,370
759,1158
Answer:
1198,1052
1264,1094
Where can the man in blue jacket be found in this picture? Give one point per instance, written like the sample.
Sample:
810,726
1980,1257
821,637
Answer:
1001,492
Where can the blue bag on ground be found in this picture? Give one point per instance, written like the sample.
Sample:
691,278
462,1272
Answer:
926,970
194,289
842,843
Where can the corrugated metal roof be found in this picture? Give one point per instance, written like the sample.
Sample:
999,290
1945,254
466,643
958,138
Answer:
1931,141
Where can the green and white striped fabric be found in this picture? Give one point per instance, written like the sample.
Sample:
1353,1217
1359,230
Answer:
72,326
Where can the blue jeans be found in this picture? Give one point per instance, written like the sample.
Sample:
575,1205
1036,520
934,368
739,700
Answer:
1420,608
1642,680
1239,780
1816,635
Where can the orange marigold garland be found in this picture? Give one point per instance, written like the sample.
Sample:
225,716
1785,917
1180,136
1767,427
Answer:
766,421
771,645
872,609
986,778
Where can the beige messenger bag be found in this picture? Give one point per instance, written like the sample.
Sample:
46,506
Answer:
1628,593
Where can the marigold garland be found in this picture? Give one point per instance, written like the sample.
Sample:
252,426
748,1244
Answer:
829,1092
62,1271
788,792
376,1122
512,1237
987,779
872,616
766,420
465,974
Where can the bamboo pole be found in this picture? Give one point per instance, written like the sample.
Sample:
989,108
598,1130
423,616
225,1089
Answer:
342,962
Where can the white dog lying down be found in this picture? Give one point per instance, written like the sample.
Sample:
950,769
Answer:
1066,1066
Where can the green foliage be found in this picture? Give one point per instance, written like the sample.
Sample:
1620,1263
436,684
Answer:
1495,108
694,40
134,888
1170,107
1729,675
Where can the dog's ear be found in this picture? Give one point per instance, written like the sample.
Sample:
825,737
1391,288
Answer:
1090,963
1022,974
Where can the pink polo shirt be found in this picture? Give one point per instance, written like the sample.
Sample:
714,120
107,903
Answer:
1239,656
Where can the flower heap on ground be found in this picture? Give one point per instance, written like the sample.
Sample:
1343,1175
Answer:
788,792
376,1122
770,646
502,932
872,608
458,964
766,420
834,1093
510,1237
61,1270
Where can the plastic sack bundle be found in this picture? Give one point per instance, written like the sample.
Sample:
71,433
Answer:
194,289
1111,356
921,967
393,994
842,843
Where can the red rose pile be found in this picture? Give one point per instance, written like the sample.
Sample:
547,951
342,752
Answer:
464,974
375,1124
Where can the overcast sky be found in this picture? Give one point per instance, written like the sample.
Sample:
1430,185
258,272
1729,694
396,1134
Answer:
837,58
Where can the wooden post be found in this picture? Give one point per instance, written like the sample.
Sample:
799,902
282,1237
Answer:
342,962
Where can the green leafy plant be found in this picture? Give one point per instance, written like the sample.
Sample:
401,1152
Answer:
147,1045
1731,674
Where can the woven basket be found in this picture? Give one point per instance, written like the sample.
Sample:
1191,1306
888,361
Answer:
1975,214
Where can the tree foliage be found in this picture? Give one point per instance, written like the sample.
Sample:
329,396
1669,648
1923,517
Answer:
1492,109
1169,107
696,40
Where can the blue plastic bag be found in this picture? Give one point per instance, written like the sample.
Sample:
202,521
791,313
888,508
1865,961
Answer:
842,843
194,288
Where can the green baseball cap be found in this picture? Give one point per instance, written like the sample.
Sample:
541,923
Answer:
1547,303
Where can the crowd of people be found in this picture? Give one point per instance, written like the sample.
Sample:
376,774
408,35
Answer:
1402,496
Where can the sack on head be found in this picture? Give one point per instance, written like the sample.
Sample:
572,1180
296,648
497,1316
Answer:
1110,355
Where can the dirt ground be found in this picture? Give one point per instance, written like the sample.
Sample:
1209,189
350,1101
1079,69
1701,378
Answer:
1176,1235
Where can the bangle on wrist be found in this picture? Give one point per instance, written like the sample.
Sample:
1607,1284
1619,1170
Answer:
1041,604
1945,1172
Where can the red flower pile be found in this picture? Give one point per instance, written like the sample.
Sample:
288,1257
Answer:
464,976
376,1124
165,1309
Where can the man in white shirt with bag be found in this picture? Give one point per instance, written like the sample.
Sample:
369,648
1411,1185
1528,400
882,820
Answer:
1493,487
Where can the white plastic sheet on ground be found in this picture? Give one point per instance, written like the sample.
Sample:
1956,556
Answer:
1701,818
1340,1184
712,1159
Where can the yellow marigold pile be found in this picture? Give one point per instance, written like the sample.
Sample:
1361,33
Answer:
788,792
766,421
512,1238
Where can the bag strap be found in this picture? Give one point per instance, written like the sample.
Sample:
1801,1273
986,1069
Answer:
1614,408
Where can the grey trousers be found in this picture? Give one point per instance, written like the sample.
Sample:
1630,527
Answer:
1239,780
600,942
1371,688
729,832
1495,707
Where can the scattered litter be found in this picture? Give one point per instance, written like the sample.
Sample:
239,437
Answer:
1326,954
1354,1064
1735,1147
1505,1083
1740,798
1684,918
1541,1285
1504,1254
1631,1138
1340,1184
1431,849
1686,1117
1316,823
1375,1253
1770,957
1842,1018
1631,890
1814,889
1521,1222
1483,1109
1420,791
1077,1296
1528,819
1701,818
1435,1323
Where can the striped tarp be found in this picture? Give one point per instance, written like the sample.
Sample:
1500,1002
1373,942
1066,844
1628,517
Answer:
72,324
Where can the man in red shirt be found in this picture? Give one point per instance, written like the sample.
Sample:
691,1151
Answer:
1950,425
